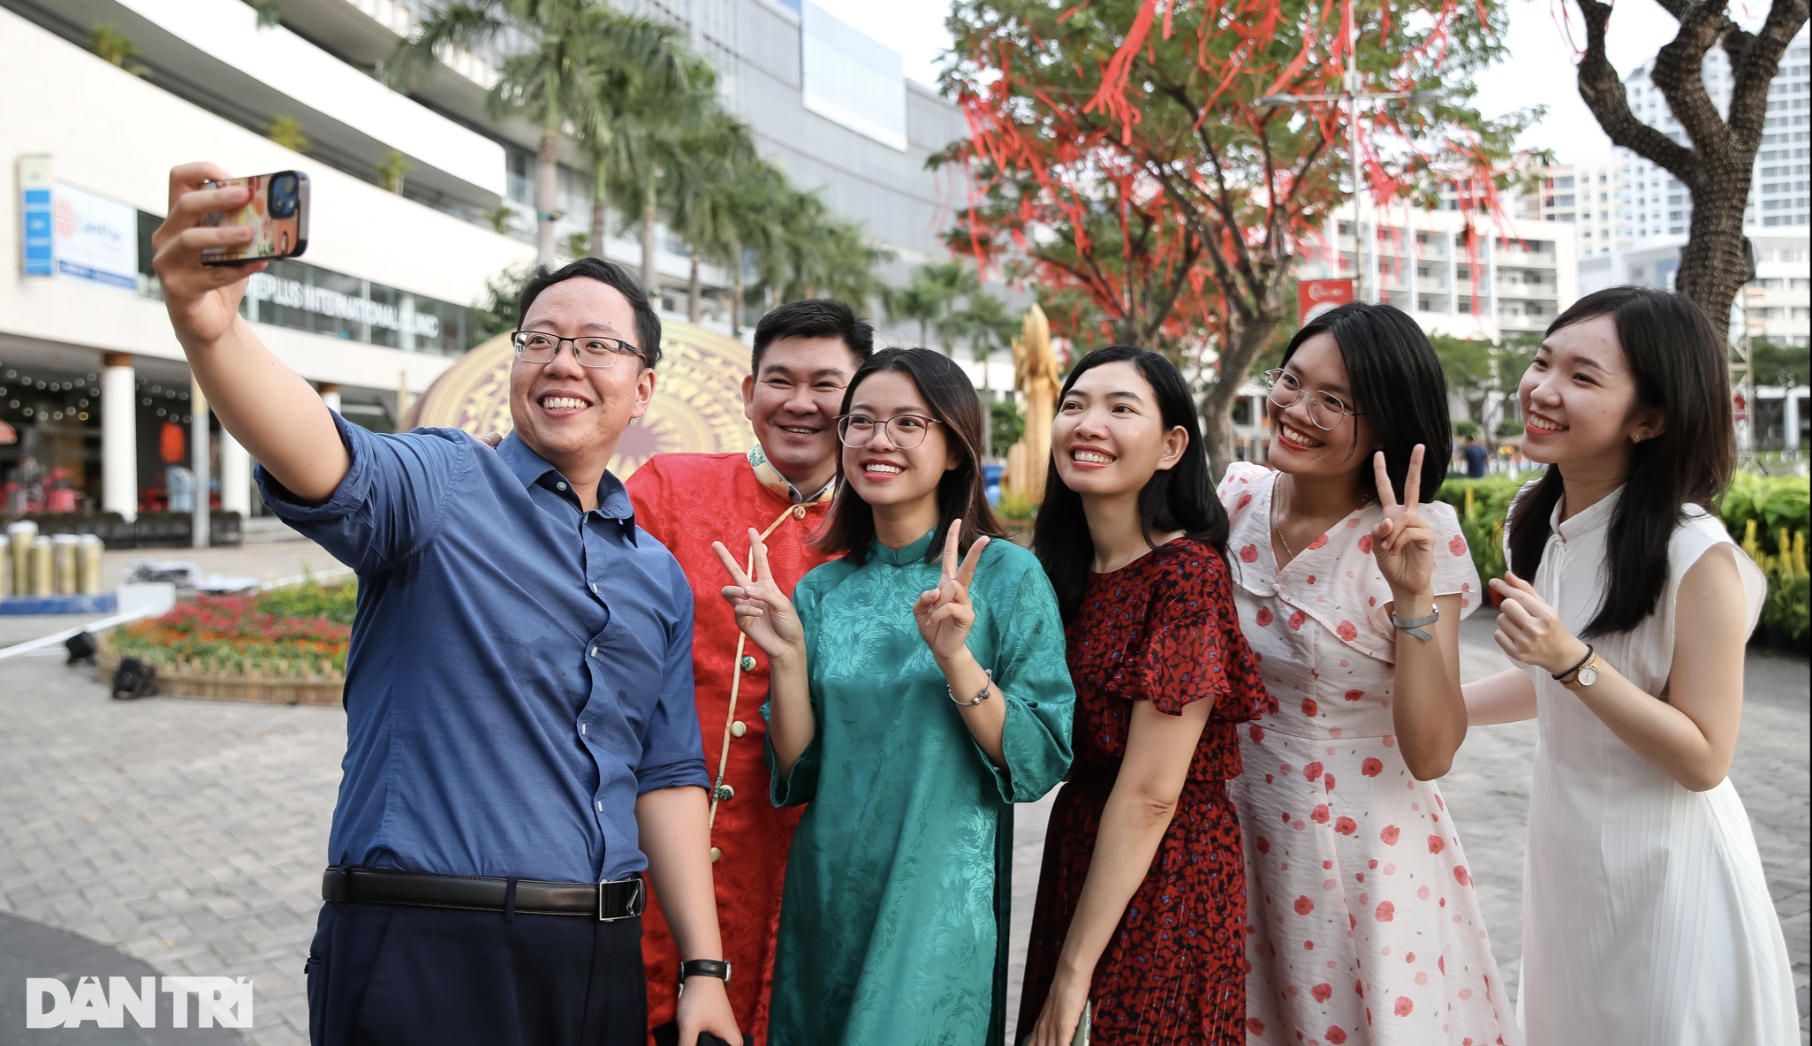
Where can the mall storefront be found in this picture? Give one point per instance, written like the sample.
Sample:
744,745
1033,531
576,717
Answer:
71,416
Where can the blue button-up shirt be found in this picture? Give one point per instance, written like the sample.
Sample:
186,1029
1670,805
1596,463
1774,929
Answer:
520,668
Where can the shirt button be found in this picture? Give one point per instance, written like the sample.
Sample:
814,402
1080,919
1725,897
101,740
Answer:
738,728
594,587
798,511
716,855
600,806
594,651
725,793
559,486
748,663
581,728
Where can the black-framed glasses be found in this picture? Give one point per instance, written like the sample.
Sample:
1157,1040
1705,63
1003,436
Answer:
904,431
1325,408
590,351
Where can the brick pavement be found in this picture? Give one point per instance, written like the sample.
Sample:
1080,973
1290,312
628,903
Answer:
190,834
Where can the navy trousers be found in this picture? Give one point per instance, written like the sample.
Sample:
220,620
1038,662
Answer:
397,976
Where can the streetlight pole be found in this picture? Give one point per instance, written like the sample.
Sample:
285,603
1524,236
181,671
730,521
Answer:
1351,95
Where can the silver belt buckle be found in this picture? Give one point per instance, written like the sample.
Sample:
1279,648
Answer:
638,901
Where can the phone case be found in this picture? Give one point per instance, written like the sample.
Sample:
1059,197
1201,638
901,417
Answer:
277,212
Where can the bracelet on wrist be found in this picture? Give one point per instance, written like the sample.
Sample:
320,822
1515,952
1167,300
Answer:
1561,677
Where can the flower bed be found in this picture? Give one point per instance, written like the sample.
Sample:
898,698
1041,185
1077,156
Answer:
1769,515
288,645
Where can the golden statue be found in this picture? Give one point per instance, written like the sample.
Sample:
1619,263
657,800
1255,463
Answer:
1036,376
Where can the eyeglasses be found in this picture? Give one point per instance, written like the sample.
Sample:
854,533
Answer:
537,347
1325,408
904,431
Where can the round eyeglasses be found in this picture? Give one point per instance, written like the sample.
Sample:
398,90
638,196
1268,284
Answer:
1325,408
904,431
538,347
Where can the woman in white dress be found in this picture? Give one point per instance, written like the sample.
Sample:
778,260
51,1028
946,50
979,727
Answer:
1646,917
1365,928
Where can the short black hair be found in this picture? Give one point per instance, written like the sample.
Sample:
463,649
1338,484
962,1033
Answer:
814,318
1397,385
647,321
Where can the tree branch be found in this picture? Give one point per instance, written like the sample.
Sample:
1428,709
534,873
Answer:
1602,90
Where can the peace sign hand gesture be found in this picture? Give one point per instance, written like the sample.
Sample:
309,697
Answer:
763,612
1402,544
944,614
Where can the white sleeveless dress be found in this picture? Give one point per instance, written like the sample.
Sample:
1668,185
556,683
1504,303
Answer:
1646,916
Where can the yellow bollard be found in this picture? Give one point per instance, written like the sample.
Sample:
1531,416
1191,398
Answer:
22,534
88,565
41,567
63,563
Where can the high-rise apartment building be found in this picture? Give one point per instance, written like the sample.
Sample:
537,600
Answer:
1660,205
1590,196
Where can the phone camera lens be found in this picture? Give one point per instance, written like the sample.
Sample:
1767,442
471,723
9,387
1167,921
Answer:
283,196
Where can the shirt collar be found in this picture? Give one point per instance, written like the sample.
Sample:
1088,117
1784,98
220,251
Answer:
771,478
531,468
901,557
1583,523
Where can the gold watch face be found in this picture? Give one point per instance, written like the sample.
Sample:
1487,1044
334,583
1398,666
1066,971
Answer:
1587,676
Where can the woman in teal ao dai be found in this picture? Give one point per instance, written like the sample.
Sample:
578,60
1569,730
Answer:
914,699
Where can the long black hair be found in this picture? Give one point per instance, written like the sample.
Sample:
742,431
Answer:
849,527
1396,383
1178,498
1679,365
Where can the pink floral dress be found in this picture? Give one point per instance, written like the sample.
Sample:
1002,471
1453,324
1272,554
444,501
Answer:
1365,928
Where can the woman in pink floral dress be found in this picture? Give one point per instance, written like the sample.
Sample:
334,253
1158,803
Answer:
1365,928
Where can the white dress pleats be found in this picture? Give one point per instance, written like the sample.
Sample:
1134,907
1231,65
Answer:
1646,916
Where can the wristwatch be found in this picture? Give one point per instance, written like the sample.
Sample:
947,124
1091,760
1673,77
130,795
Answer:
705,968
1585,675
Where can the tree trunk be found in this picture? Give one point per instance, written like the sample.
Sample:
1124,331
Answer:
651,274
1219,398
600,214
546,194
1712,270
694,292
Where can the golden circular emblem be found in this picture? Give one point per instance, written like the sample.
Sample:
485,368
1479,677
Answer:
697,405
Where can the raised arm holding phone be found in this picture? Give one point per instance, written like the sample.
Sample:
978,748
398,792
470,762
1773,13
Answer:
522,743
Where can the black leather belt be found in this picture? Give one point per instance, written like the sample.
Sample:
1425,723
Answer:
607,901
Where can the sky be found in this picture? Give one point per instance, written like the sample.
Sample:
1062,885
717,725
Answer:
1541,72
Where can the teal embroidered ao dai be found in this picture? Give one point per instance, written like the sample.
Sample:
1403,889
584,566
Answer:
893,922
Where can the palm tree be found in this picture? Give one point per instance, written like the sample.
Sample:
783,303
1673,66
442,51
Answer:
631,96
703,189
552,83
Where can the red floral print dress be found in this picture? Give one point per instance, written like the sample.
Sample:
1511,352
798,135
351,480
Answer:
1161,629
1366,929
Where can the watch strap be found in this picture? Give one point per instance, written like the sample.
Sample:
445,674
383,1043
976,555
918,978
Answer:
1413,625
1561,677
719,968
1594,664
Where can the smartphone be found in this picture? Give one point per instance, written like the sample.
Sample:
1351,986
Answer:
277,213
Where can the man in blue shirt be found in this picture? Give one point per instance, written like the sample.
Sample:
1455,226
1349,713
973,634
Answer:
522,742
1475,455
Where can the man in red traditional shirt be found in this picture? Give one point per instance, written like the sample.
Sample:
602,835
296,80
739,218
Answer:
805,354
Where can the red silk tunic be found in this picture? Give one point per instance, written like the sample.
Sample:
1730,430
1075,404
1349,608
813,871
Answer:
688,501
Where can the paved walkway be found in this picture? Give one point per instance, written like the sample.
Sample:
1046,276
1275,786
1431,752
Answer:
189,835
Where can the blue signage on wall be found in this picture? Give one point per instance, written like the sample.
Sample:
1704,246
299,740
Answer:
36,182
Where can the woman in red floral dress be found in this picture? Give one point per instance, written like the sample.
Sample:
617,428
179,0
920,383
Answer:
1140,923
